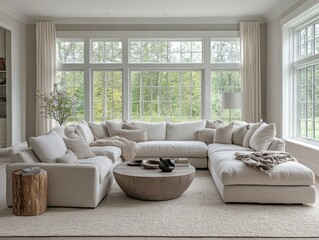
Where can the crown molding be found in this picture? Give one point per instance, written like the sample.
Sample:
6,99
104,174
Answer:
12,13
161,20
279,8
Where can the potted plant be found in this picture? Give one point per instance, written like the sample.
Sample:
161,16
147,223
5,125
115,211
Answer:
58,104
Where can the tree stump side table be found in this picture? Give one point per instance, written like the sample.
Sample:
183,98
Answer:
29,193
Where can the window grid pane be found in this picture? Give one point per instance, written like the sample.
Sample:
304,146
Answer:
107,95
308,41
73,83
224,82
225,51
106,52
165,51
70,52
166,95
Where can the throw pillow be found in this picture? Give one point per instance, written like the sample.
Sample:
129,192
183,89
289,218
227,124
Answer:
186,131
213,124
98,130
239,134
72,132
263,137
48,147
28,156
86,132
79,148
69,157
132,135
252,129
60,130
112,126
206,135
224,134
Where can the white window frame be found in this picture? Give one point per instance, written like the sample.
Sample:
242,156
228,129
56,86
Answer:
206,66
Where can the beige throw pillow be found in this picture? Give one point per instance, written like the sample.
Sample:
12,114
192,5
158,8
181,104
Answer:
263,137
69,157
132,135
98,129
252,129
206,135
239,134
224,134
48,147
112,127
86,132
79,148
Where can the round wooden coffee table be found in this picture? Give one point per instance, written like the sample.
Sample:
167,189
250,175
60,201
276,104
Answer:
153,184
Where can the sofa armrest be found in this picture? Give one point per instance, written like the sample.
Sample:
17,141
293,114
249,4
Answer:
277,145
75,185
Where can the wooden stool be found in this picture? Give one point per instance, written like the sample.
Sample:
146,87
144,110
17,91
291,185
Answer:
29,193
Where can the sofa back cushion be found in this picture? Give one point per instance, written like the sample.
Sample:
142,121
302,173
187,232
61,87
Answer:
48,147
186,131
206,135
154,131
85,132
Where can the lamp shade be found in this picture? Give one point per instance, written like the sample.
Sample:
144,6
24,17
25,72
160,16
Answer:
231,100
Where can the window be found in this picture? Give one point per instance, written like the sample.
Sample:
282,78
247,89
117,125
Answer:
166,95
149,76
308,41
73,83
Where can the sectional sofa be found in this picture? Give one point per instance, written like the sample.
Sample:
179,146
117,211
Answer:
81,176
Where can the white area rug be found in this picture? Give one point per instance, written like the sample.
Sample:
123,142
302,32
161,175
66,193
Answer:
198,212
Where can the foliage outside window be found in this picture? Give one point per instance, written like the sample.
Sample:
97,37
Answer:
106,52
107,95
70,52
166,95
308,41
224,82
225,51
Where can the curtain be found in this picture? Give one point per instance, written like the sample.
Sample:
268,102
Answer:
250,71
45,60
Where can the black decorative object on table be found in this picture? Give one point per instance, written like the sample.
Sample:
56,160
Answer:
166,165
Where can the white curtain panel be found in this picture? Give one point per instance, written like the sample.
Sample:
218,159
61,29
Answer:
45,43
250,71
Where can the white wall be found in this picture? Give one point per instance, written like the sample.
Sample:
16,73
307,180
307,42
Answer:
18,78
308,155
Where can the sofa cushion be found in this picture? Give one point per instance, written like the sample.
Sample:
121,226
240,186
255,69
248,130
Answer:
224,134
239,133
98,129
206,135
154,131
171,149
235,172
86,132
48,147
186,131
111,152
69,157
132,135
79,148
104,164
263,137
252,129
219,147
111,126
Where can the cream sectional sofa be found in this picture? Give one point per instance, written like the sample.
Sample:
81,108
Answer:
206,144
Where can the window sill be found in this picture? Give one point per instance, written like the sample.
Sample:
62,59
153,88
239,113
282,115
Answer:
303,143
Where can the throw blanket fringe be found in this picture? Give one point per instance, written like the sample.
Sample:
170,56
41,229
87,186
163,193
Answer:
128,148
264,162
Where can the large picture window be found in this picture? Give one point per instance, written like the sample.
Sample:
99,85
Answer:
149,78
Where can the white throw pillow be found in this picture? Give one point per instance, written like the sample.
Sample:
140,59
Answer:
132,135
224,134
86,132
60,131
72,132
263,137
69,157
112,126
79,148
154,131
186,131
206,135
48,147
239,134
252,129
98,130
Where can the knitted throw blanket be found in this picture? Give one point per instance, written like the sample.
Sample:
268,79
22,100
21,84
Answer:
264,162
128,148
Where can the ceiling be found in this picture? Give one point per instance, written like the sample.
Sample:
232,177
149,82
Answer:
55,9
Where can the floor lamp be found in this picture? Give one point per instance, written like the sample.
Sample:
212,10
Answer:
231,101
